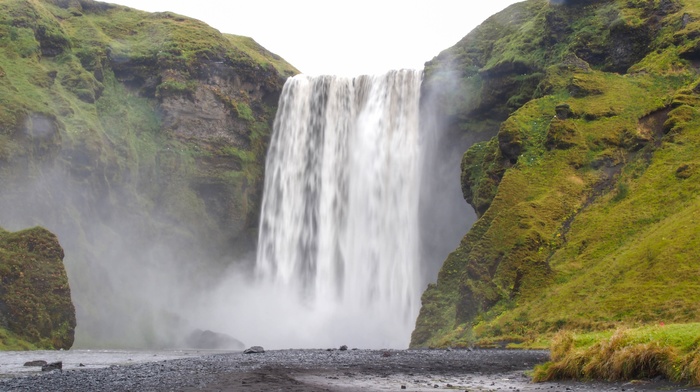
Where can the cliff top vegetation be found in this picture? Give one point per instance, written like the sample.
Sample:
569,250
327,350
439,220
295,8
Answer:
585,193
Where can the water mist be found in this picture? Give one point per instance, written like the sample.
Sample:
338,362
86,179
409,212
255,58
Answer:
354,223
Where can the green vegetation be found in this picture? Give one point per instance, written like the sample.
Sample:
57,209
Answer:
670,351
117,84
585,195
154,114
249,47
11,342
35,297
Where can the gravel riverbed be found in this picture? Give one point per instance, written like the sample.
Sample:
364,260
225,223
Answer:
323,370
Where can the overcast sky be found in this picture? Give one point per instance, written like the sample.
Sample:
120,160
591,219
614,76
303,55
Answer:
334,37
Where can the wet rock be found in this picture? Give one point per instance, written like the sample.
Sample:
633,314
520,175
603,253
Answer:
254,350
52,366
210,340
36,363
36,293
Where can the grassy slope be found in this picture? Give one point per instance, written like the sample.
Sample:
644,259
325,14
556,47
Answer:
66,86
97,74
589,221
87,38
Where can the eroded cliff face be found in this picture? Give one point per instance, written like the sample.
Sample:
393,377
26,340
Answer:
584,192
36,310
139,139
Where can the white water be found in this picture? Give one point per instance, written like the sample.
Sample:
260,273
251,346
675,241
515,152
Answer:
339,235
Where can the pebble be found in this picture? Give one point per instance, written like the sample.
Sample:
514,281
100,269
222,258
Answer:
209,371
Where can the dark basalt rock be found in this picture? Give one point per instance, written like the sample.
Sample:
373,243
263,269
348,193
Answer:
254,350
52,366
37,363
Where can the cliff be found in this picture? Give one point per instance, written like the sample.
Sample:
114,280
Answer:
139,139
585,189
35,303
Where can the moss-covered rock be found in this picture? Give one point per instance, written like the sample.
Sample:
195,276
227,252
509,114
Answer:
585,192
139,138
35,300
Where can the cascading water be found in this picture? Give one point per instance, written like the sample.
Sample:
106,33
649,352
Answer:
339,233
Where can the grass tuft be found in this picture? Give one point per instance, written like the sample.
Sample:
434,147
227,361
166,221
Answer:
626,354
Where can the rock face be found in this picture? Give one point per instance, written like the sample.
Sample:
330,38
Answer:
581,191
139,139
35,300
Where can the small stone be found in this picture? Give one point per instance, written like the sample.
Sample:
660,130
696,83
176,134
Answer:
254,350
35,363
403,387
343,348
52,366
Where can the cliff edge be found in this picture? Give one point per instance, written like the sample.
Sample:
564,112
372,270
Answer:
585,192
139,139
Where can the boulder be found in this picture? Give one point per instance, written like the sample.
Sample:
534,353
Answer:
52,366
254,350
35,297
36,363
209,340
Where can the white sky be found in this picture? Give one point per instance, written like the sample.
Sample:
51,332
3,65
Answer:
344,38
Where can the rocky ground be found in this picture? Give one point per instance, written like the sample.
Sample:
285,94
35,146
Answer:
323,370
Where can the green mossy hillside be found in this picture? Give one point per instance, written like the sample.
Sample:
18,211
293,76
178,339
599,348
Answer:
132,134
586,194
36,310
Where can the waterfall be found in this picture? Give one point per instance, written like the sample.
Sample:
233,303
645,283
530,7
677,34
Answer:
339,231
